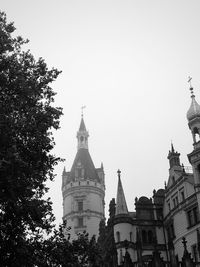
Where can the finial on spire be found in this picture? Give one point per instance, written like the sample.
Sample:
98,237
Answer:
119,173
82,108
191,88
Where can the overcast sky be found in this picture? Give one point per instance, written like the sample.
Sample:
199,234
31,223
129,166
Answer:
128,62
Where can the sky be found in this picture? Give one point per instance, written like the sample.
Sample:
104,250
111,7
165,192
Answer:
128,62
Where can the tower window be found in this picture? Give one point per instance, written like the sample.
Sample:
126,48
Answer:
82,172
170,231
182,196
169,206
196,133
118,236
193,216
144,236
80,205
131,234
80,222
82,138
150,236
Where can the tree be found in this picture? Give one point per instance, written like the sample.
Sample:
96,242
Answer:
27,118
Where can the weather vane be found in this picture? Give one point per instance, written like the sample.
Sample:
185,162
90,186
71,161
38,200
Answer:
82,108
191,88
189,81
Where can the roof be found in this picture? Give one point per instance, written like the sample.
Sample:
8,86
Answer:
121,206
84,160
194,110
82,125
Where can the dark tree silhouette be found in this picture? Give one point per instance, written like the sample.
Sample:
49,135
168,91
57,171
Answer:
27,118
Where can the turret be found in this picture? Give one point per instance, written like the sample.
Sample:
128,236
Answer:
173,158
193,117
83,190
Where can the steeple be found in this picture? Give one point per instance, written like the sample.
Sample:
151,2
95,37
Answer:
173,157
82,135
194,110
193,116
121,207
83,167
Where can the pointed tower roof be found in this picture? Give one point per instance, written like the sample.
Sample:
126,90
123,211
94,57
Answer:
194,110
83,160
83,166
82,125
121,206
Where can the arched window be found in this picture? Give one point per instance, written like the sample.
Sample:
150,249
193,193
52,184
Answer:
144,236
196,134
118,236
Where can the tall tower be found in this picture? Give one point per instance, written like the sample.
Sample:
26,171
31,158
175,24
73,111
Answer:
83,190
193,116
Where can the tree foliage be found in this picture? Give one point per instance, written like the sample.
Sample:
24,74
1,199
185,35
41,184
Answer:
80,252
27,118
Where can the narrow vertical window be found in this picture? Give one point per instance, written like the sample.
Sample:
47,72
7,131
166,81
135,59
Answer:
80,205
144,236
118,236
80,222
131,234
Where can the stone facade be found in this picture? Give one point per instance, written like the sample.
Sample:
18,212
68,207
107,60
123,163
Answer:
156,233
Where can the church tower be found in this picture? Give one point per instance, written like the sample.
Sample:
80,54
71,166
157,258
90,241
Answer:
83,190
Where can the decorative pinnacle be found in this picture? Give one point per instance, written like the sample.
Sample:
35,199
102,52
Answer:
191,88
82,108
119,173
172,147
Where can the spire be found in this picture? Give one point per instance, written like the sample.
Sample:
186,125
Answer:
82,135
102,165
194,110
64,170
82,125
172,148
173,157
121,207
